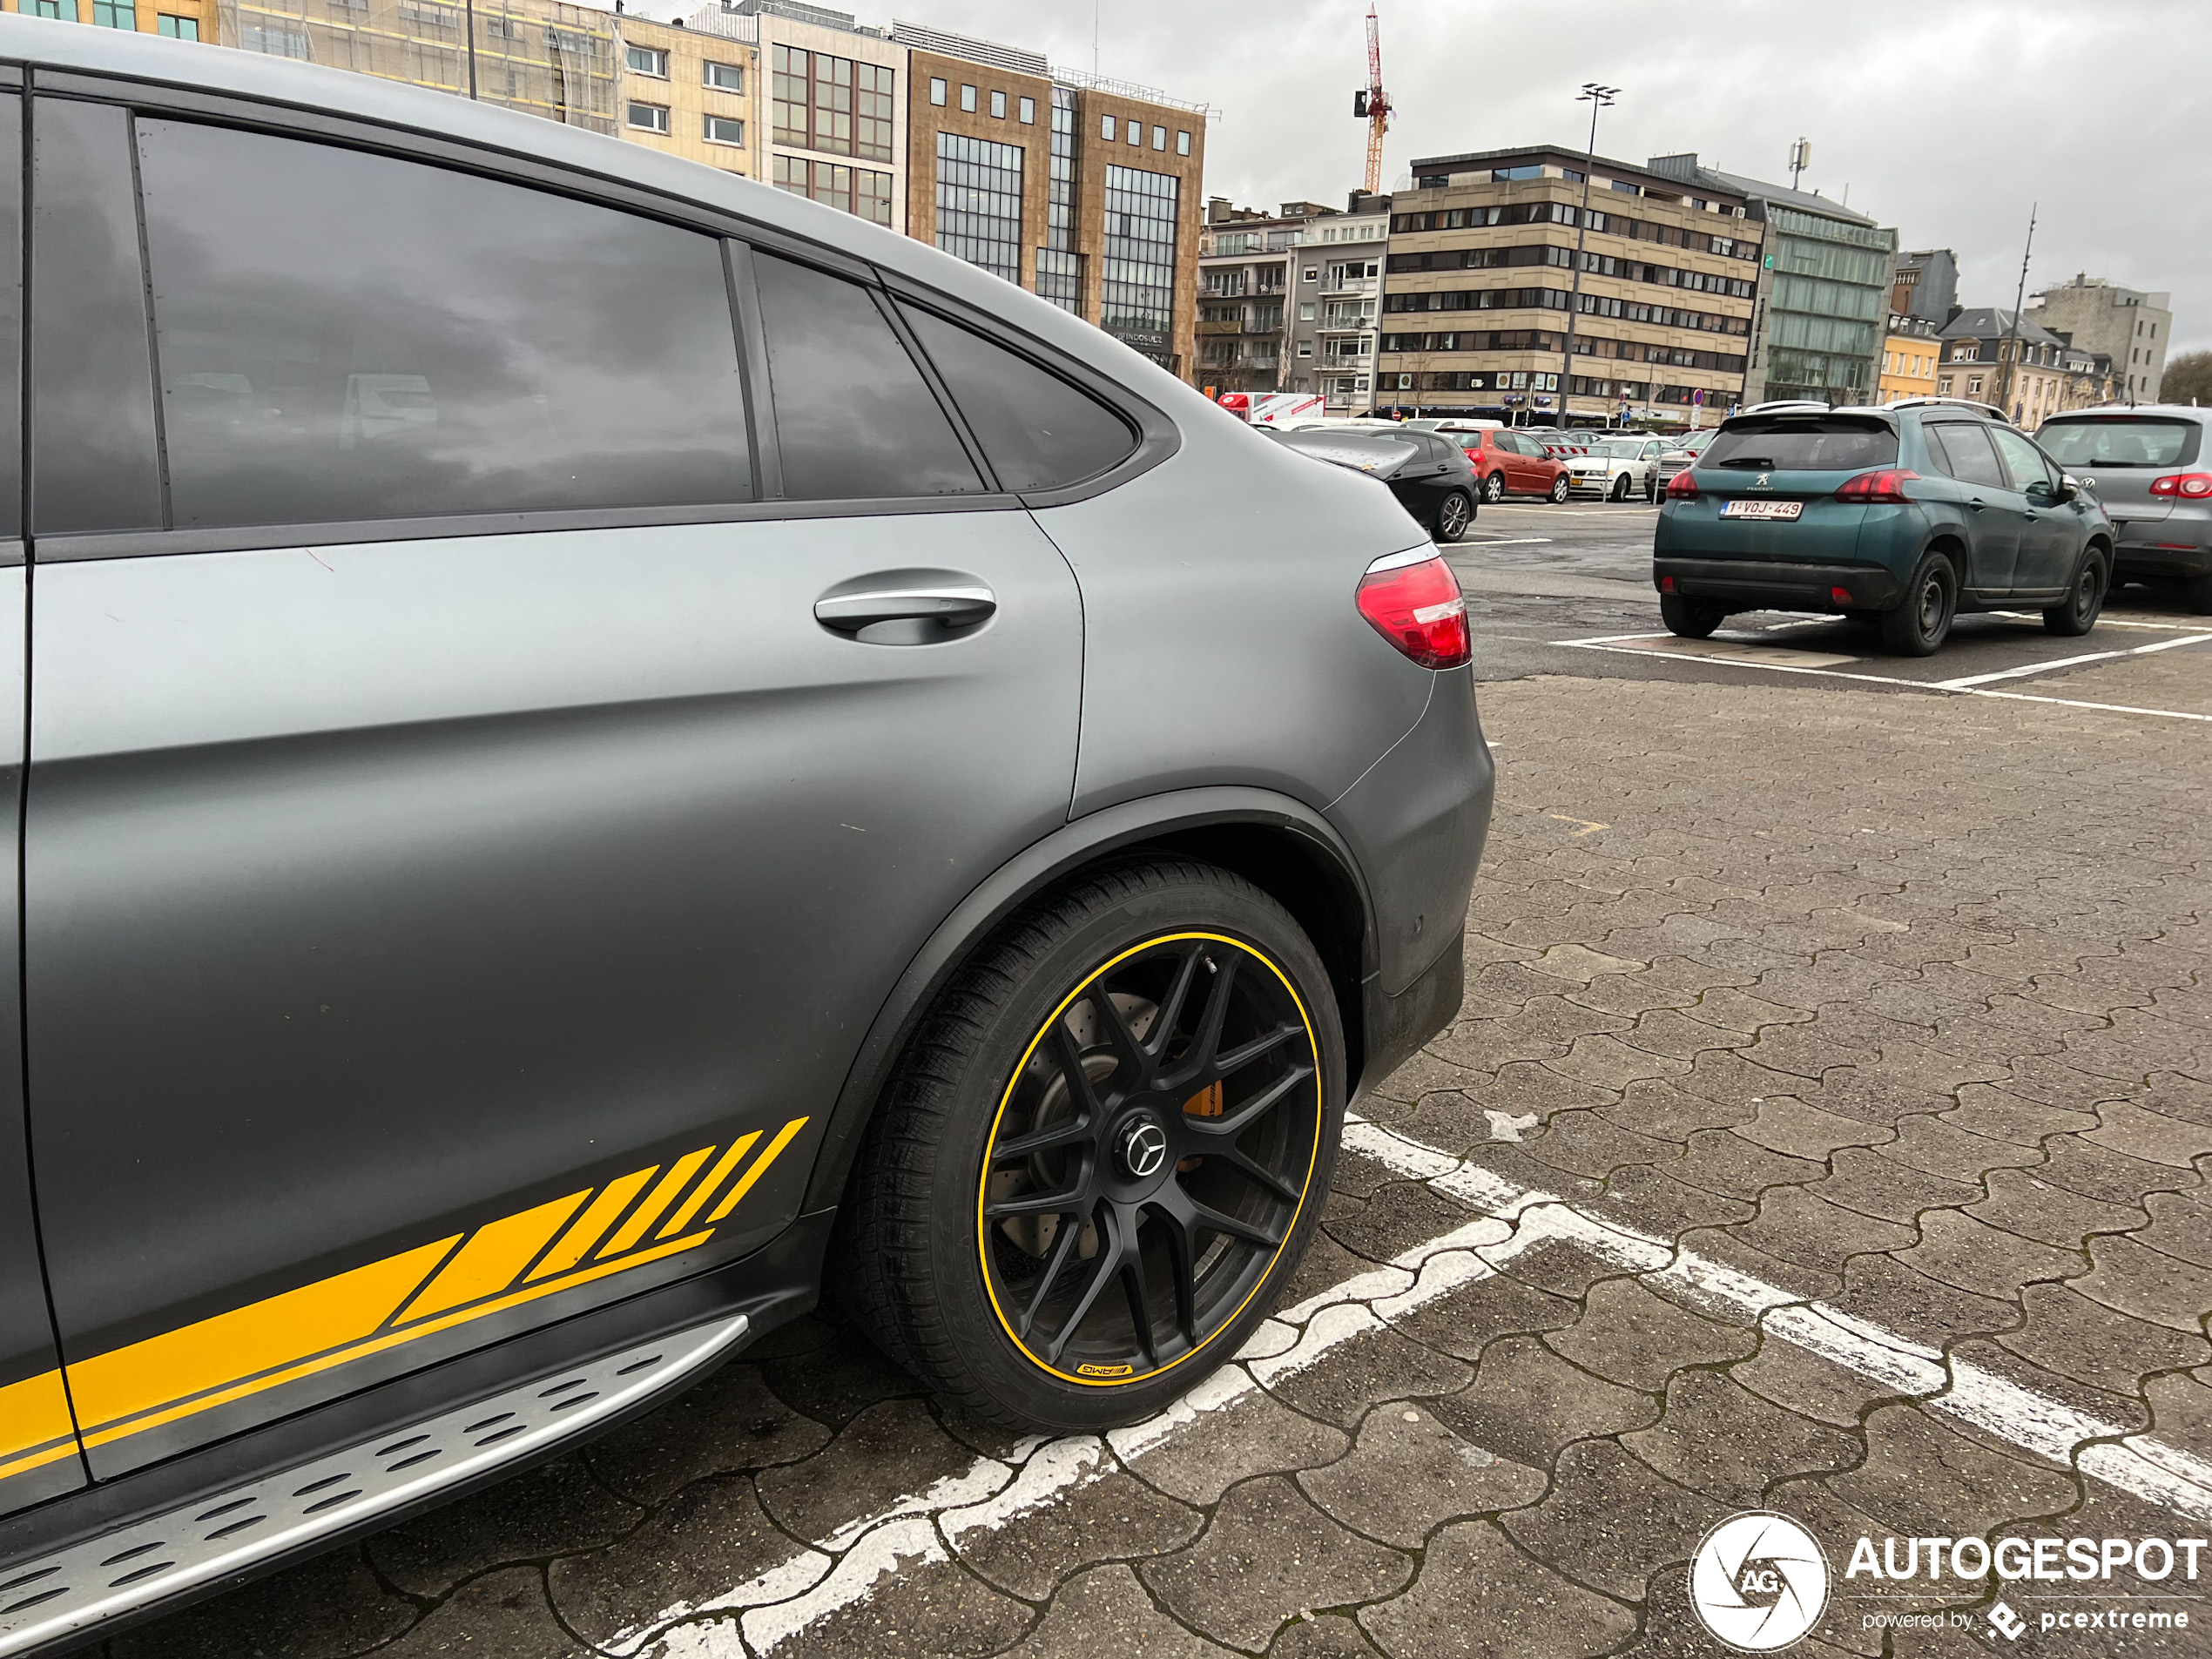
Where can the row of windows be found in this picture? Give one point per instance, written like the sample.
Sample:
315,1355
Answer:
1593,305
837,105
1136,280
1624,350
1133,130
649,60
1635,230
1482,259
1479,340
1060,268
116,14
858,191
979,203
1476,379
654,117
344,336
1025,107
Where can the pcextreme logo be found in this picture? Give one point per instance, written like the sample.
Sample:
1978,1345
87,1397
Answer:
1758,1581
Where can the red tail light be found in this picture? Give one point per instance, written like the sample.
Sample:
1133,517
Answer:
1683,486
1413,600
2195,486
1885,486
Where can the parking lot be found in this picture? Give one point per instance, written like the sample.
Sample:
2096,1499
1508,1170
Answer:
1826,1130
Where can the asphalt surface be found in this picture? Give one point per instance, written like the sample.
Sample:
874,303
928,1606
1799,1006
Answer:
1827,1131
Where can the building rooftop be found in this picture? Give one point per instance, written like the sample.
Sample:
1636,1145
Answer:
1992,322
1566,155
1017,58
1686,169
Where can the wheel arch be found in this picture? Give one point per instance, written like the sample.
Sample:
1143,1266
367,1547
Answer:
1280,845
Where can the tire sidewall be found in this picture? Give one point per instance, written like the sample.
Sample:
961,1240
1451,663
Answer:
984,1347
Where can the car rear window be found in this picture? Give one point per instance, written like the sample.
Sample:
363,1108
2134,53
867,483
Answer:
2121,441
1804,443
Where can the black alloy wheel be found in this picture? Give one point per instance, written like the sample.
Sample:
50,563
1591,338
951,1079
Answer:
1105,1152
1559,489
1494,488
2077,613
1454,515
1918,623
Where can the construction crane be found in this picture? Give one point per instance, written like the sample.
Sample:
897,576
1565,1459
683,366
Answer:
1372,105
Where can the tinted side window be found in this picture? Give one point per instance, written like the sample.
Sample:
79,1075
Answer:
1972,459
2023,460
1037,431
95,467
854,418
346,336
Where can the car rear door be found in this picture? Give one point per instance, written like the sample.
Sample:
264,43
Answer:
38,1451
1990,508
478,799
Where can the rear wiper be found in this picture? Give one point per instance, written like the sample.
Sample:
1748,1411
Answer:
1750,463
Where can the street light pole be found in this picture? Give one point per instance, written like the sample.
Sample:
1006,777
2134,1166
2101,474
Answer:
1597,97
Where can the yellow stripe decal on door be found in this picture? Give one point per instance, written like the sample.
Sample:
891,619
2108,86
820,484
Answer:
352,1315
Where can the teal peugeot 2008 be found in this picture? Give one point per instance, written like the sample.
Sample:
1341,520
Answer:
1904,515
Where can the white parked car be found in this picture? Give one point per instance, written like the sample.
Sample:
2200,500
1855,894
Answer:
1617,469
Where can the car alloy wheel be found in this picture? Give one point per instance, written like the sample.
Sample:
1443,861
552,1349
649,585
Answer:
1453,516
1620,490
1150,1156
1559,488
1494,488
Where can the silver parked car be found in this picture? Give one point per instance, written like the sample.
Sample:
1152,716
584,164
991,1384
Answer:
612,751
1617,469
2151,466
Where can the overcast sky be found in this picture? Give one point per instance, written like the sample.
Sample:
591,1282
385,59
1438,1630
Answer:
1946,118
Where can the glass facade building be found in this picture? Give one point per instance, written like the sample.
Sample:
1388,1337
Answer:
1137,297
1060,268
979,203
1827,306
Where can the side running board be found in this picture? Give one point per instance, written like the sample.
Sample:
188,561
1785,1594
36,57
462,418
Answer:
45,1599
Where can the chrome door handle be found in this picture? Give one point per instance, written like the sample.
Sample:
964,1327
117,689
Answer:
945,608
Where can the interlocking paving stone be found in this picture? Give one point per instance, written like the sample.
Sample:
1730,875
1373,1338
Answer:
891,1449
1382,1366
1800,1226
557,1509
1397,1219
332,1605
1808,1386
2181,1225
1785,1123
711,1538
2099,1172
1609,1521
2181,1408
1105,1613
1722,1439
1256,1434
732,1421
1269,1555
1478,1597
2020,1202
2124,1127
1408,1473
1628,1336
2148,1283
1654,1203
1886,1293
2000,1116
1721,1161
839,1379
501,1615
1921,1479
1960,1251
1526,1402
931,1610
1114,1517
1585,1144
1861,1179
1466,1320
1323,1636
2068,1333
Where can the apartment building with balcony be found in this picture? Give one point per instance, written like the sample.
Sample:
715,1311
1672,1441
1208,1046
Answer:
1336,321
1479,279
1245,263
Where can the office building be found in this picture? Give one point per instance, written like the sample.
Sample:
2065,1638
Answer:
1083,189
2131,327
179,19
1826,284
1480,276
692,91
1925,284
1909,357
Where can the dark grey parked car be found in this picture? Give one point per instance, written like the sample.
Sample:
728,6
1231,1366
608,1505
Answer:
609,749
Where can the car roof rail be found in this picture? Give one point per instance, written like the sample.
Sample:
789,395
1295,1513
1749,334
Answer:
1789,405
1989,409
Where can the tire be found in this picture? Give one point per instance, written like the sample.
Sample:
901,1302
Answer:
2077,613
1620,490
1920,622
1008,1319
1691,618
1494,488
1454,515
1559,489
2198,591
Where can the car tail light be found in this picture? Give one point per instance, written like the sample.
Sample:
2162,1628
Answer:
1413,600
1887,485
1839,596
2195,486
1683,486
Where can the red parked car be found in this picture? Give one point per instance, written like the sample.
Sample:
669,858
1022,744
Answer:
1512,463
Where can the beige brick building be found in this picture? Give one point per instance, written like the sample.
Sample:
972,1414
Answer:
693,93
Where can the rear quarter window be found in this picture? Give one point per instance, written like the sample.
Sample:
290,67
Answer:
1804,443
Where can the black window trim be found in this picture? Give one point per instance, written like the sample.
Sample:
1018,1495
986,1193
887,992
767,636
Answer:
1159,437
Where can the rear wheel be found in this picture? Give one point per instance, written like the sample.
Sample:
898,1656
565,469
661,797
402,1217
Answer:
1494,488
2198,592
2077,613
1559,488
1921,620
1105,1153
1691,618
1454,515
1620,490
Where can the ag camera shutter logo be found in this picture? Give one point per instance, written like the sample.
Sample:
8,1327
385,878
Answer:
1758,1581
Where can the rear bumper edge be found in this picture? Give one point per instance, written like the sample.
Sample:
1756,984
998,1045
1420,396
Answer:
1746,585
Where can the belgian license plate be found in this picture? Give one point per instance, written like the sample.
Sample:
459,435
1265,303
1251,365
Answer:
1763,510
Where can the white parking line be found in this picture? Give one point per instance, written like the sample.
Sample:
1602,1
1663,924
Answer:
1965,681
782,1604
1503,541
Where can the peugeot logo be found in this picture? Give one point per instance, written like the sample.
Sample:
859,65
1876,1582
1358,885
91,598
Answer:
1760,482
1145,1149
